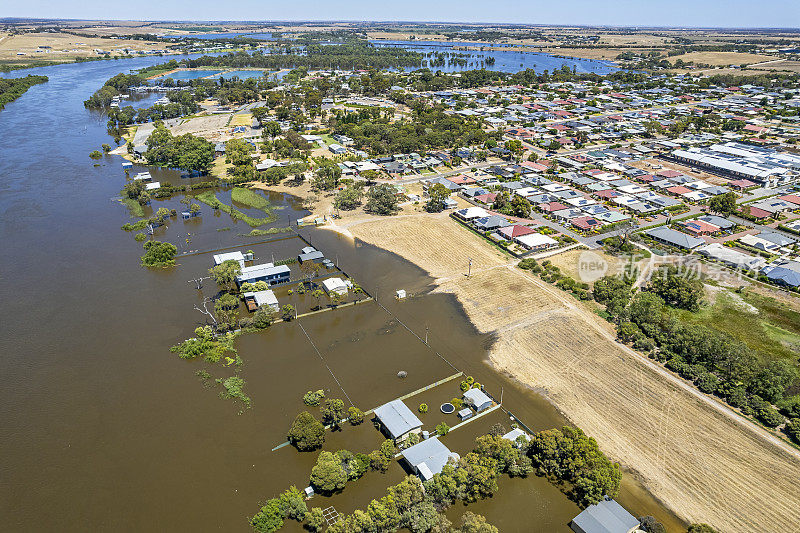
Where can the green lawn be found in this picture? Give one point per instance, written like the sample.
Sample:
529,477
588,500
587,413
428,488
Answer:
773,332
251,198
209,198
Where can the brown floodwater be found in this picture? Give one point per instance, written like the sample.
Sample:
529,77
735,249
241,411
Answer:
104,429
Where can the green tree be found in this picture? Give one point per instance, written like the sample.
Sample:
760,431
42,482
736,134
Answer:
772,381
315,520
475,523
355,415
437,195
226,309
269,518
676,288
333,412
159,254
348,199
724,204
292,503
382,200
271,130
701,528
327,175
287,312
793,429
264,317
225,273
313,397
306,432
442,429
318,294
328,475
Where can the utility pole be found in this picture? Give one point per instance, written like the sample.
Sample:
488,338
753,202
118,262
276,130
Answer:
426,334
469,268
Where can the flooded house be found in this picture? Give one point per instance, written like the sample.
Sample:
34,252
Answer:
267,298
477,399
397,420
265,272
427,458
606,516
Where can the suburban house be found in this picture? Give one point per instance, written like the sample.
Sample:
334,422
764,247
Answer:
470,213
786,273
674,238
477,399
397,420
490,223
536,241
606,516
267,272
515,230
427,458
699,227
731,258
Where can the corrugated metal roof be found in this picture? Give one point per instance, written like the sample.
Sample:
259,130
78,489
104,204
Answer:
397,418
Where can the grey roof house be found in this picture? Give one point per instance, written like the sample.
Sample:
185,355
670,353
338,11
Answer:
674,238
397,419
606,516
427,458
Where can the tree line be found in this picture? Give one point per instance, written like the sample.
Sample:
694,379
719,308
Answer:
11,89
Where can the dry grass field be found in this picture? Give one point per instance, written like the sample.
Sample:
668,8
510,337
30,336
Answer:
721,58
442,251
703,463
63,47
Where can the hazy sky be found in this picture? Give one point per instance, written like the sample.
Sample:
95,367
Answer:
690,13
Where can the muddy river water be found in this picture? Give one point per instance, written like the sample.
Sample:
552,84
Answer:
103,429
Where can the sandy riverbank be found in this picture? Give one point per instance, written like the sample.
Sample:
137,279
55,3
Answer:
687,451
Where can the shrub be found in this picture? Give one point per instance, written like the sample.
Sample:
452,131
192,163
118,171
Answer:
793,429
442,429
95,154
768,415
306,432
313,397
355,416
423,408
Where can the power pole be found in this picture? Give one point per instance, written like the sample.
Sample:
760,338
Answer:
469,268
426,334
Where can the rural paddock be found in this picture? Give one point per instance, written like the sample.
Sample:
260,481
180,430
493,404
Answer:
699,461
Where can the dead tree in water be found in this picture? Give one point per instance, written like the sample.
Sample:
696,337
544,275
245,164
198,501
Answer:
205,311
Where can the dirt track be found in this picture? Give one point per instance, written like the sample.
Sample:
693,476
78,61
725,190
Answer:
694,454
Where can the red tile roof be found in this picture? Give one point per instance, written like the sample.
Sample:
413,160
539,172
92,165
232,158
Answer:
668,173
792,198
679,190
552,206
758,213
516,231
